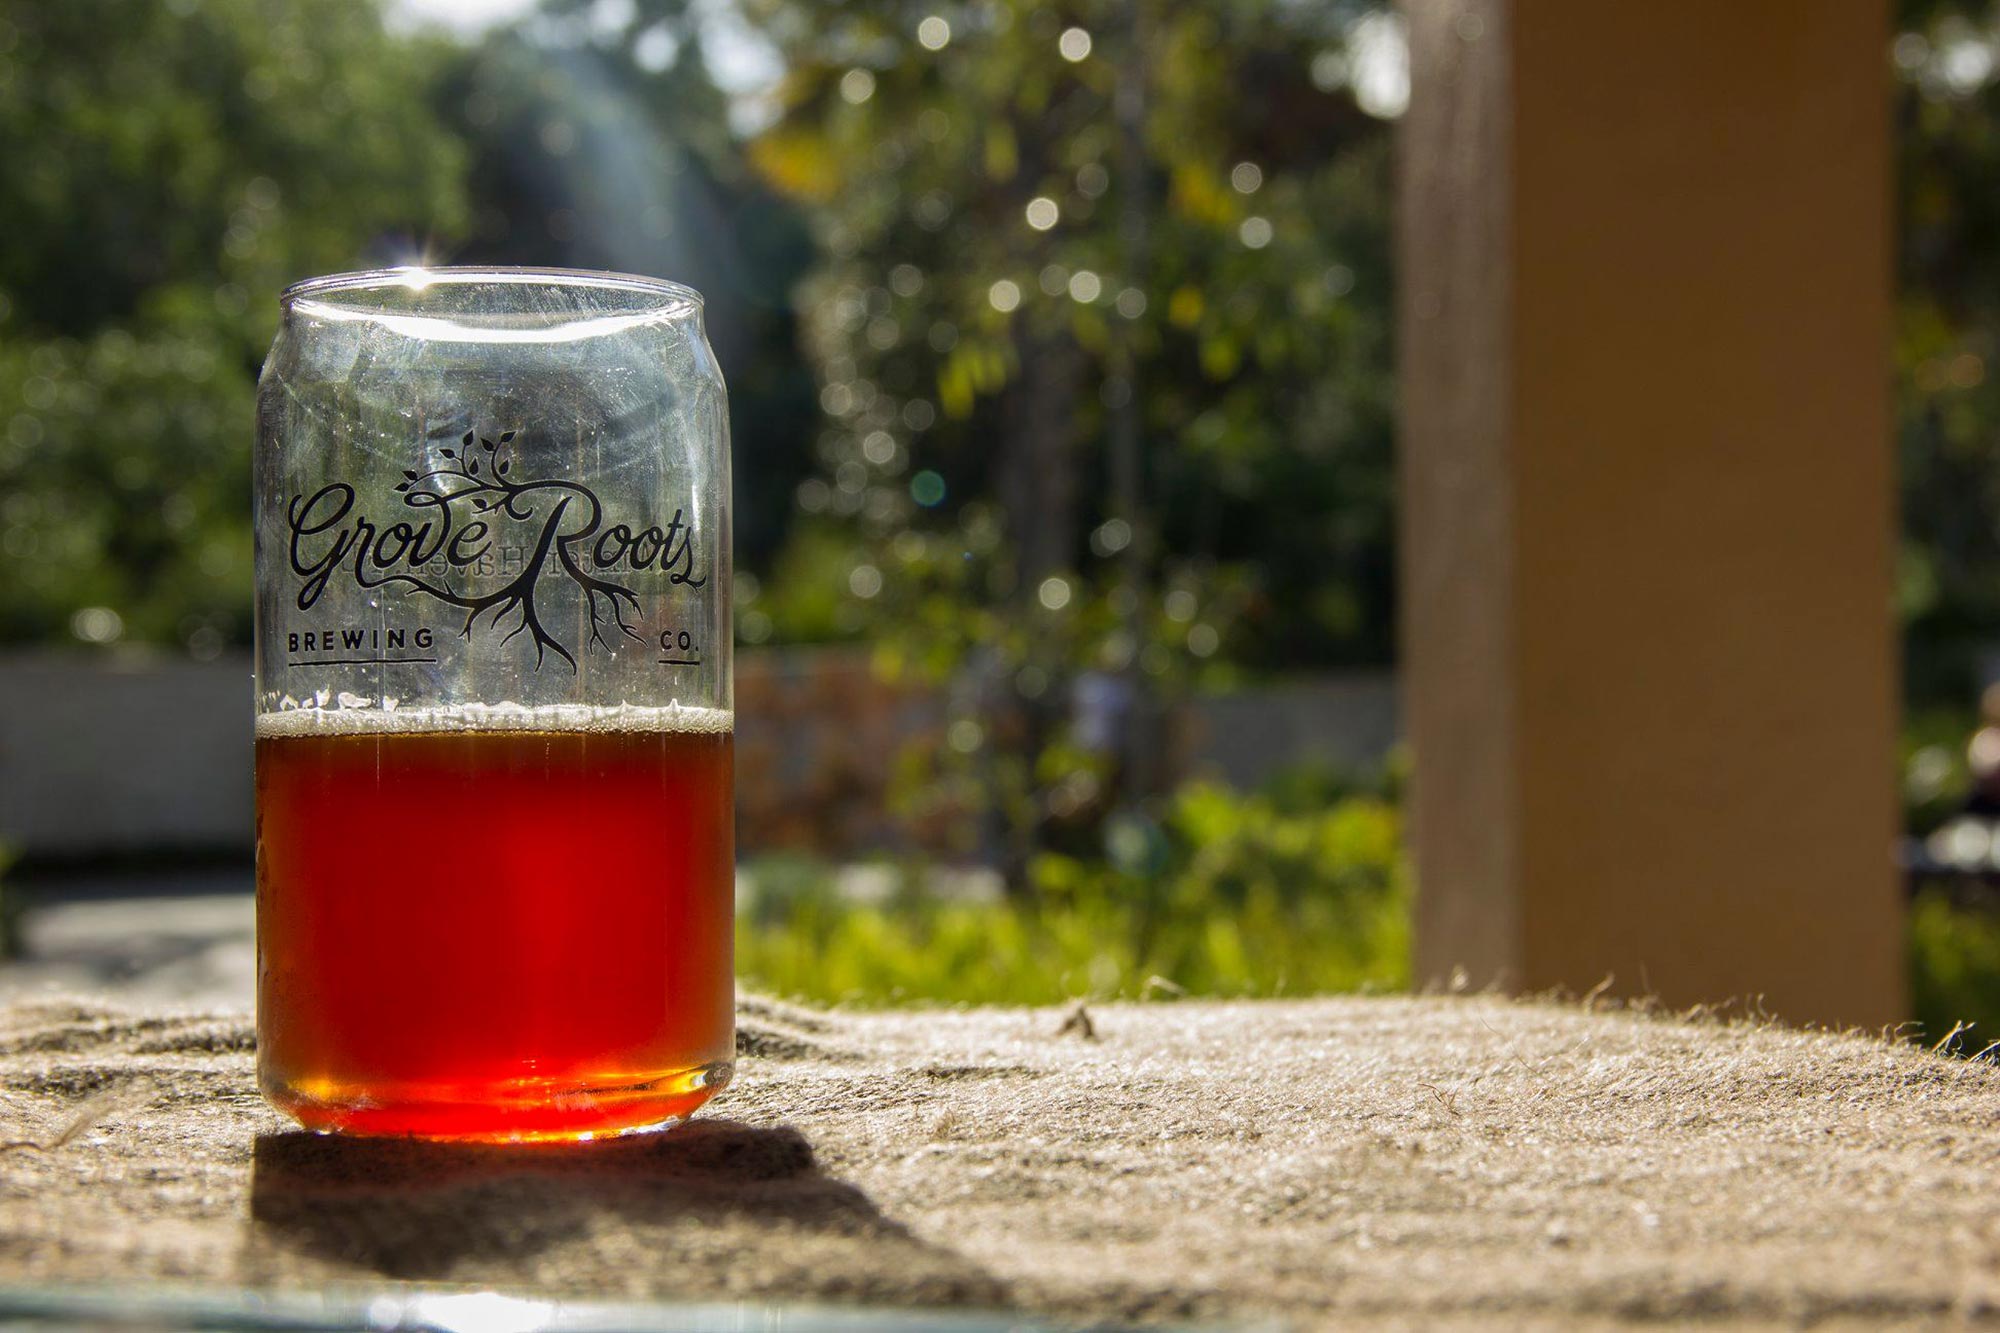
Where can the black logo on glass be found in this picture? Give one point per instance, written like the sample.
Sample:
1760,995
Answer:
458,503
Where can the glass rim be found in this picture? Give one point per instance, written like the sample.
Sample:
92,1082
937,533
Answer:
499,275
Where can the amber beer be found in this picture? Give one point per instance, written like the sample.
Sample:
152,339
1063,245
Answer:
494,705
494,923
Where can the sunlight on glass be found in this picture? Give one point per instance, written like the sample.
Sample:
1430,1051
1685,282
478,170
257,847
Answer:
1004,295
1085,286
1246,177
857,86
1054,592
1042,212
865,581
415,278
1074,44
1255,232
480,1312
1131,303
933,33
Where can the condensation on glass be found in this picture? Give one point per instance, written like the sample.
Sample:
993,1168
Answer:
494,713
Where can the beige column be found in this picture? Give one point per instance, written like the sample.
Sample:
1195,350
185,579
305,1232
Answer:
1647,500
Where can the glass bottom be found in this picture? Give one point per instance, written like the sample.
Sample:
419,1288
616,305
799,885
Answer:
514,1111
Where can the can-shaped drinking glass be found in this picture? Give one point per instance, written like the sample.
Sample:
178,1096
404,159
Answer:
494,715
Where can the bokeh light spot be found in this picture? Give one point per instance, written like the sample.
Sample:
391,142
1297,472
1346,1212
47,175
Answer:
1112,536
97,624
857,86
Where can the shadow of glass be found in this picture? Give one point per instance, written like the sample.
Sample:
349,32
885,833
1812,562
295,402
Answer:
406,1208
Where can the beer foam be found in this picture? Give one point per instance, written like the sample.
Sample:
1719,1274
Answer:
617,719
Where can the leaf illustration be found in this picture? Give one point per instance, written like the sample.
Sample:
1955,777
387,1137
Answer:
503,469
451,453
409,475
472,468
467,439
506,436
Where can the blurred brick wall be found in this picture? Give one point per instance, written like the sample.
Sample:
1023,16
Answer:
818,737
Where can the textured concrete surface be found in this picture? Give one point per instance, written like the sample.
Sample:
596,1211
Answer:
1323,1163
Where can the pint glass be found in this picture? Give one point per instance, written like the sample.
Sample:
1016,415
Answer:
494,714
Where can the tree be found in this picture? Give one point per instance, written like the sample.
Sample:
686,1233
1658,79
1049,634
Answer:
1948,397
169,167
606,144
1102,342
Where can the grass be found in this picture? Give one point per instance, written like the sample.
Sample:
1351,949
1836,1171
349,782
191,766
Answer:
1044,953
1229,895
1955,970
1277,894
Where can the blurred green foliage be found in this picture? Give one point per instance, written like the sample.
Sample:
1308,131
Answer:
1101,335
1009,262
1936,778
1059,343
607,145
1954,970
1234,895
1947,341
168,167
